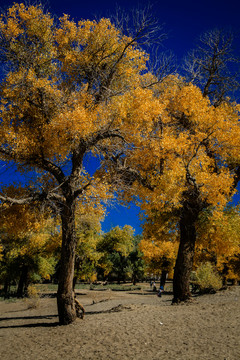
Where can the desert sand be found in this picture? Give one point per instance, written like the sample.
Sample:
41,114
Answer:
124,325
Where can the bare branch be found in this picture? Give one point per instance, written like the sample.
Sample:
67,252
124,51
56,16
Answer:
104,134
122,175
161,65
82,189
211,65
35,197
141,25
21,201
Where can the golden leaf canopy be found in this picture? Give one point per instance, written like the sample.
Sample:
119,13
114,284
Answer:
66,82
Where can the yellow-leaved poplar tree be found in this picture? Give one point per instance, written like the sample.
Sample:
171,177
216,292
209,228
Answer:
30,241
69,90
219,242
160,243
189,164
88,234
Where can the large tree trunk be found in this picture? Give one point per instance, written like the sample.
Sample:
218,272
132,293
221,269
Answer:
184,263
65,295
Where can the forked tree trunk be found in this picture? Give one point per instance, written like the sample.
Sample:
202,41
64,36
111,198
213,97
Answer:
185,257
65,295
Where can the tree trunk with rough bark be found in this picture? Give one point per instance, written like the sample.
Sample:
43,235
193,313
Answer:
184,263
65,295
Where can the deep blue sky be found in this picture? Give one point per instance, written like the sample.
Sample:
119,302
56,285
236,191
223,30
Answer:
183,20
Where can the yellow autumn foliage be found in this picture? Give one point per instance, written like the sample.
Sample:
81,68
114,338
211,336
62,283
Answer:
83,88
219,241
74,82
188,138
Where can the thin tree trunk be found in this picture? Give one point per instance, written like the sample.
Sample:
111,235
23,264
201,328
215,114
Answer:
65,296
22,285
76,267
134,280
74,282
6,288
163,278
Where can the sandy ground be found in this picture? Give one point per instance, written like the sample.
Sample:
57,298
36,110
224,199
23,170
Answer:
124,325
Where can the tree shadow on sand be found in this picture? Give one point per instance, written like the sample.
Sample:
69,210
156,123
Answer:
150,292
32,325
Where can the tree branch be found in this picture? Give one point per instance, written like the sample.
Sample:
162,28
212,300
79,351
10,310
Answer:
38,162
38,197
80,191
104,134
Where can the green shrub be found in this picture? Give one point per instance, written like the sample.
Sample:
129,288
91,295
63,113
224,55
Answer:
207,278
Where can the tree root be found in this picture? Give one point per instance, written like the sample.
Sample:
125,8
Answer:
80,311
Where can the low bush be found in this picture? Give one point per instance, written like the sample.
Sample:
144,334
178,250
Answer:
207,279
33,297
